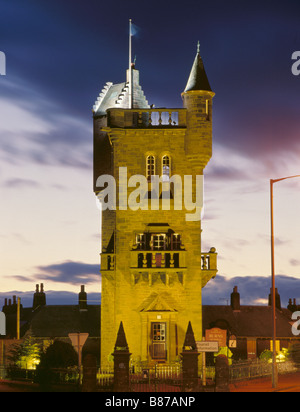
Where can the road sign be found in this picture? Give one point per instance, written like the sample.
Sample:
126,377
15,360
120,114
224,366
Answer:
232,341
205,346
78,340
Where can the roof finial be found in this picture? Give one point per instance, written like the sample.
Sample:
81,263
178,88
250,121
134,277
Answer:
198,47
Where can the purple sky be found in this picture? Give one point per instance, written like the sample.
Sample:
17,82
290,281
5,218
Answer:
57,60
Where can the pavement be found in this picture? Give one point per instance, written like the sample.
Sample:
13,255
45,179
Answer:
286,383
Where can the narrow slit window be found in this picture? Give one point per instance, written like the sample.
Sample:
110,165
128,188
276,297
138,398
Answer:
207,109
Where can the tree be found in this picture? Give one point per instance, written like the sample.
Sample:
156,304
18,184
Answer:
59,355
25,355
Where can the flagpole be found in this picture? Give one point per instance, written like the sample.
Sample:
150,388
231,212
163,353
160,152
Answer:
130,68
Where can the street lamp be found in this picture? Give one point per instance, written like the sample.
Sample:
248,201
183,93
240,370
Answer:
274,366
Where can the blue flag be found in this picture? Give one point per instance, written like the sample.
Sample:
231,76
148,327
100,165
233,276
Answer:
134,30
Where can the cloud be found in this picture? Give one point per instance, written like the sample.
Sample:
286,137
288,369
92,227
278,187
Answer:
253,289
295,262
45,133
18,183
69,272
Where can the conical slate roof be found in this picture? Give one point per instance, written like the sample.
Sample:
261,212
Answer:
121,342
189,338
198,79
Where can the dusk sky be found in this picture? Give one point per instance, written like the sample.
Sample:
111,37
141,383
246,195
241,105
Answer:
59,55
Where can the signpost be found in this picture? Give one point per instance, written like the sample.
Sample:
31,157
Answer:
78,340
205,346
216,335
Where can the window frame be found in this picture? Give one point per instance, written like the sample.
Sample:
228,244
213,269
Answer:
150,167
166,165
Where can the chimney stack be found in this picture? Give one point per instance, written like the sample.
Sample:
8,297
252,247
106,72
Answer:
39,297
292,306
277,299
10,308
235,300
82,299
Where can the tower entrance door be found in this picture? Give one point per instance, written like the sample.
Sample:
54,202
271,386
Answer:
159,341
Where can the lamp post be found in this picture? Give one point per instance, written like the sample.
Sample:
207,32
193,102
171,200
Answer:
274,366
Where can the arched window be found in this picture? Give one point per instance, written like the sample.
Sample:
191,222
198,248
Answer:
150,167
166,164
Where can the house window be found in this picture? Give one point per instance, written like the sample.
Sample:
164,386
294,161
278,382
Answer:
159,242
159,340
166,168
150,167
176,241
140,241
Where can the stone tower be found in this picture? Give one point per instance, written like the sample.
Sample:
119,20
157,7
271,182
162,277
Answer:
152,267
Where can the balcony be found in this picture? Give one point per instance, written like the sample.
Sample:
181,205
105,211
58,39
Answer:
162,262
209,266
147,118
107,262
145,260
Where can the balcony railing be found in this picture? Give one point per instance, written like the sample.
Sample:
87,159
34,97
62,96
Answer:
209,260
147,118
145,260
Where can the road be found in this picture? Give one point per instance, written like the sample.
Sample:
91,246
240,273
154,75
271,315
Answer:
286,383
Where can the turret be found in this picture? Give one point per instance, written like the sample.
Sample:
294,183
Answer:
197,99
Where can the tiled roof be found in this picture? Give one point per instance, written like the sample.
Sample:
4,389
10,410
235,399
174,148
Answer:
250,321
59,321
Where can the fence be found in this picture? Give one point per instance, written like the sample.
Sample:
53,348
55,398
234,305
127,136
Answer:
159,378
257,368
